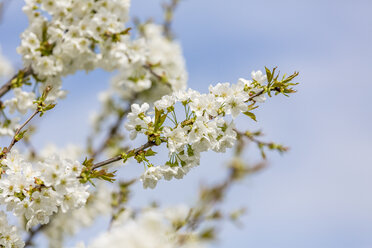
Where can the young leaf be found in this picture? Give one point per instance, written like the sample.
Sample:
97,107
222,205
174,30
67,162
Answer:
250,115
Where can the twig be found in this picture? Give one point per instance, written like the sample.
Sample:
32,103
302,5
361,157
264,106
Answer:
255,95
2,9
169,10
32,234
114,129
260,93
118,157
158,77
15,140
8,85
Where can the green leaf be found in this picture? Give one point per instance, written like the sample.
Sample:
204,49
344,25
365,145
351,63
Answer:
159,118
126,31
49,107
268,75
250,115
150,152
20,135
158,141
291,77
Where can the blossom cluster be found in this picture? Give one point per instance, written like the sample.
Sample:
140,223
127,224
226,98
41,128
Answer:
66,36
205,126
150,228
156,68
77,36
36,191
22,101
158,64
8,126
69,223
9,236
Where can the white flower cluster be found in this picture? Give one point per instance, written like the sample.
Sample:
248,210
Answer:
69,35
156,68
156,63
36,191
22,101
8,126
152,228
204,128
69,223
9,237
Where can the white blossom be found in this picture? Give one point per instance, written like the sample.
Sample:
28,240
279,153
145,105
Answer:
8,127
69,223
22,101
137,119
205,128
153,228
38,190
9,236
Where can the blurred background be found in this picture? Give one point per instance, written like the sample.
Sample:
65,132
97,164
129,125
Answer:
316,195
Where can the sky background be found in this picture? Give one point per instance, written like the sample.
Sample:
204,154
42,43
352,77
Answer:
317,195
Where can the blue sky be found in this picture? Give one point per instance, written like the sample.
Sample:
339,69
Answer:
317,195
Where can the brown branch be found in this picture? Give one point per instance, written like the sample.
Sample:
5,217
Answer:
255,95
157,76
3,4
118,157
114,130
33,234
15,140
5,88
260,93
169,10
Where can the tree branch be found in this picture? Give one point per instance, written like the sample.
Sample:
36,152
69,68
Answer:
118,157
157,76
5,88
255,95
169,10
114,129
32,234
15,140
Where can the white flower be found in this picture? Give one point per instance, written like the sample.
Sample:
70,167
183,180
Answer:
207,103
8,128
137,119
245,82
151,177
177,138
69,223
59,38
204,128
151,228
9,236
22,102
165,102
221,89
56,183
258,76
235,105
